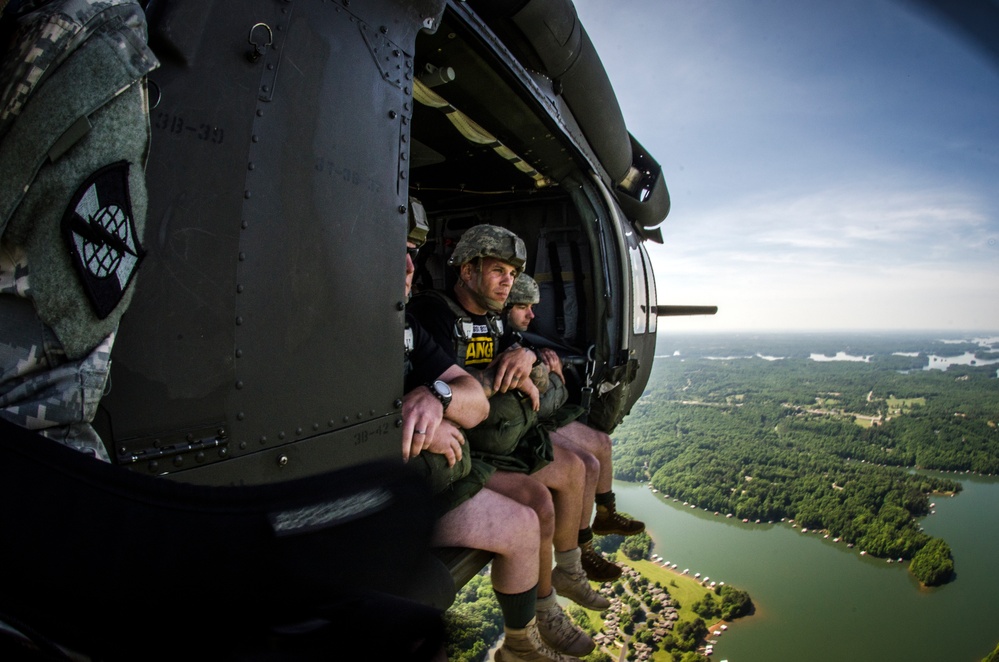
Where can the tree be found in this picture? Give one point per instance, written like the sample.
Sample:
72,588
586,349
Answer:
637,547
933,564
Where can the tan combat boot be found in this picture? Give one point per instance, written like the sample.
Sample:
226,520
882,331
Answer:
558,630
526,645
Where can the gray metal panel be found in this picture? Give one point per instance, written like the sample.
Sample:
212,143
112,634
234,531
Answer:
319,286
269,308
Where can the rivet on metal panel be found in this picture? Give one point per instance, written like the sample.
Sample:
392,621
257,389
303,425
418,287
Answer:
282,460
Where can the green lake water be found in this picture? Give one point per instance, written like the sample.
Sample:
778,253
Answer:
820,601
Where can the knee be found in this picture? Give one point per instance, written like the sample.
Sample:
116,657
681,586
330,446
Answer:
544,509
527,522
602,446
526,537
591,465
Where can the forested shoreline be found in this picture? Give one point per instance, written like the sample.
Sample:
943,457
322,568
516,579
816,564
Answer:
831,445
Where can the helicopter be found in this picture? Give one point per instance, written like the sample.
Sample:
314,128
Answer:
290,141
277,182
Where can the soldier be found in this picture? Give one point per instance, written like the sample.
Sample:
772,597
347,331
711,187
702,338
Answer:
592,445
440,398
466,323
73,145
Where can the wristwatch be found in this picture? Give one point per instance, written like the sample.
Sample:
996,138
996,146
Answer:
442,391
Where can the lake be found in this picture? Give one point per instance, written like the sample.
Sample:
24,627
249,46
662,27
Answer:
820,601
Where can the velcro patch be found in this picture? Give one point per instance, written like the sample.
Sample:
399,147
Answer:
99,229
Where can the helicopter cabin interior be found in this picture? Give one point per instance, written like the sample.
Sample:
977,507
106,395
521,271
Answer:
491,143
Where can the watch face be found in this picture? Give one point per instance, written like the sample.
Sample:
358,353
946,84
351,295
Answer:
442,388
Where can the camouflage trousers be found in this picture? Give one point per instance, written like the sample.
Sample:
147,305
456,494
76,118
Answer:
42,390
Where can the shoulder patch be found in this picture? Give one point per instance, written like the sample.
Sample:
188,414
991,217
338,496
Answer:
99,229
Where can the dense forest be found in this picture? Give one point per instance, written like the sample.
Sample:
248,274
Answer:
767,431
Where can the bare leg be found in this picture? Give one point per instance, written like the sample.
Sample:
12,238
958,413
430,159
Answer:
529,492
497,524
591,468
596,443
565,477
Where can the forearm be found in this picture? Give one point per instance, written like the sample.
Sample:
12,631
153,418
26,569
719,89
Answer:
469,404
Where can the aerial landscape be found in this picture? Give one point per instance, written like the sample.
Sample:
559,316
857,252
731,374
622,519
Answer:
851,443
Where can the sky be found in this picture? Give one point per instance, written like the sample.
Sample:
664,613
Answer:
831,165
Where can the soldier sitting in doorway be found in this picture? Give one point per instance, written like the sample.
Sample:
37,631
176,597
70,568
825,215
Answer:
466,323
590,444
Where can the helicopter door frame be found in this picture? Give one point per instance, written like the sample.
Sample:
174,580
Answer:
617,221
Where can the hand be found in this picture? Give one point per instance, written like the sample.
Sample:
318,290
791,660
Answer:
513,369
447,441
530,390
422,413
552,360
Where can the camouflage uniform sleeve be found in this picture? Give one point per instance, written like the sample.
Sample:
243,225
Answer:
72,107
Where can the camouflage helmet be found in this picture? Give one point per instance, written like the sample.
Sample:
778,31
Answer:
418,225
490,241
524,291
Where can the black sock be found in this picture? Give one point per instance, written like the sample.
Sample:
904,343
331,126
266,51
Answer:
517,608
605,499
585,536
